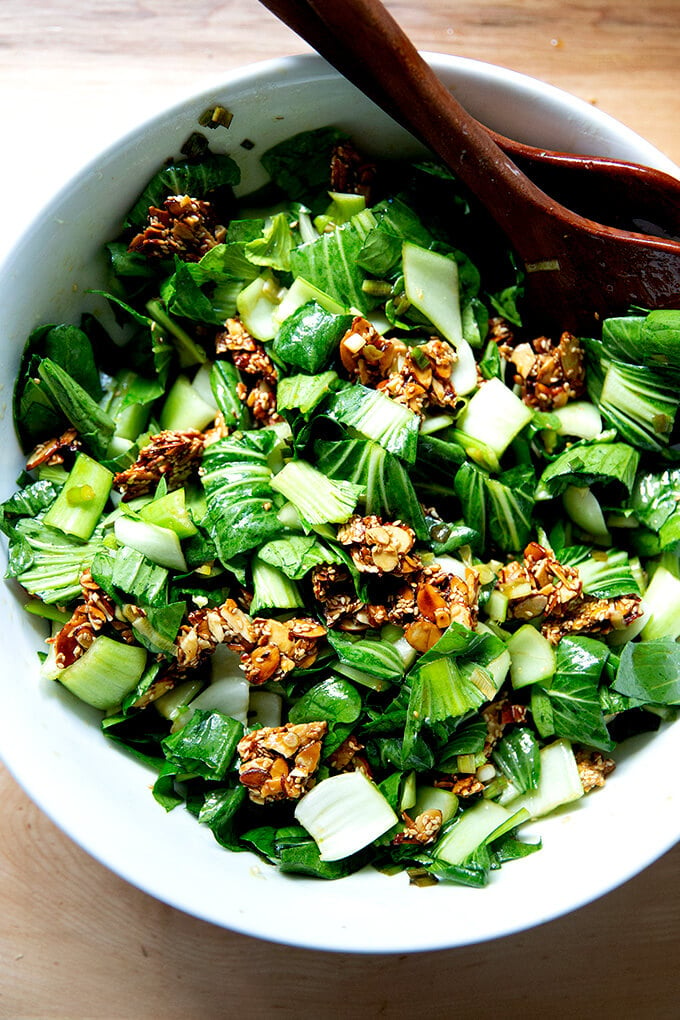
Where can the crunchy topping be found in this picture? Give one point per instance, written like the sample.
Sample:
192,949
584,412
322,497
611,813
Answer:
279,762
333,587
351,174
444,598
497,715
218,430
377,547
543,587
500,332
281,647
165,681
184,226
347,757
424,600
549,374
174,456
422,829
210,627
592,615
540,585
54,451
366,355
419,377
462,786
89,617
250,357
593,769
441,598
269,649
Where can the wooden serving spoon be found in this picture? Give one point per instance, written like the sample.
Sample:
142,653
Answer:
613,191
578,270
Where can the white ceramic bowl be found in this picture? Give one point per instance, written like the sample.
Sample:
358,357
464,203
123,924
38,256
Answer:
53,744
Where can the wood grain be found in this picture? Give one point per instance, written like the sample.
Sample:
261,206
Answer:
77,941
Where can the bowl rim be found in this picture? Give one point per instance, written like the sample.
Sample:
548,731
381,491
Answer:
18,760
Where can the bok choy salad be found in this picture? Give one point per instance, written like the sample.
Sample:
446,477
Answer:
366,572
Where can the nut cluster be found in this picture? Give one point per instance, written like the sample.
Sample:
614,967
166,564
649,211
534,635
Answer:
279,762
548,374
54,451
419,376
89,618
377,547
184,226
541,586
251,359
172,455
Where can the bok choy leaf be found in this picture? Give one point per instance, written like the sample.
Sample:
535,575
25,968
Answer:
242,503
384,479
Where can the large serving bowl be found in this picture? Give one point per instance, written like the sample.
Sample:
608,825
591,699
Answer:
53,744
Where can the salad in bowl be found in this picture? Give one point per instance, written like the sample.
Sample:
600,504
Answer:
367,576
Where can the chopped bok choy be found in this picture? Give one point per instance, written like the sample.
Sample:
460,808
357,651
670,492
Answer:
365,572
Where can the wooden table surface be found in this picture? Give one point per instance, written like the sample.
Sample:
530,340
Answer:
77,941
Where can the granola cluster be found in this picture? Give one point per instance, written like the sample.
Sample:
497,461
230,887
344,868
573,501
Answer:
366,355
422,377
350,173
89,618
348,758
207,628
541,586
282,647
421,830
424,600
333,588
280,762
250,358
419,377
500,331
593,769
172,455
441,599
548,374
497,715
269,649
538,586
55,451
184,226
377,547
594,616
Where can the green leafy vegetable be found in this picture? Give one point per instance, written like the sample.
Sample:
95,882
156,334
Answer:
572,697
191,178
585,464
649,671
517,755
305,445
94,426
376,417
309,337
205,746
299,165
242,504
389,492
